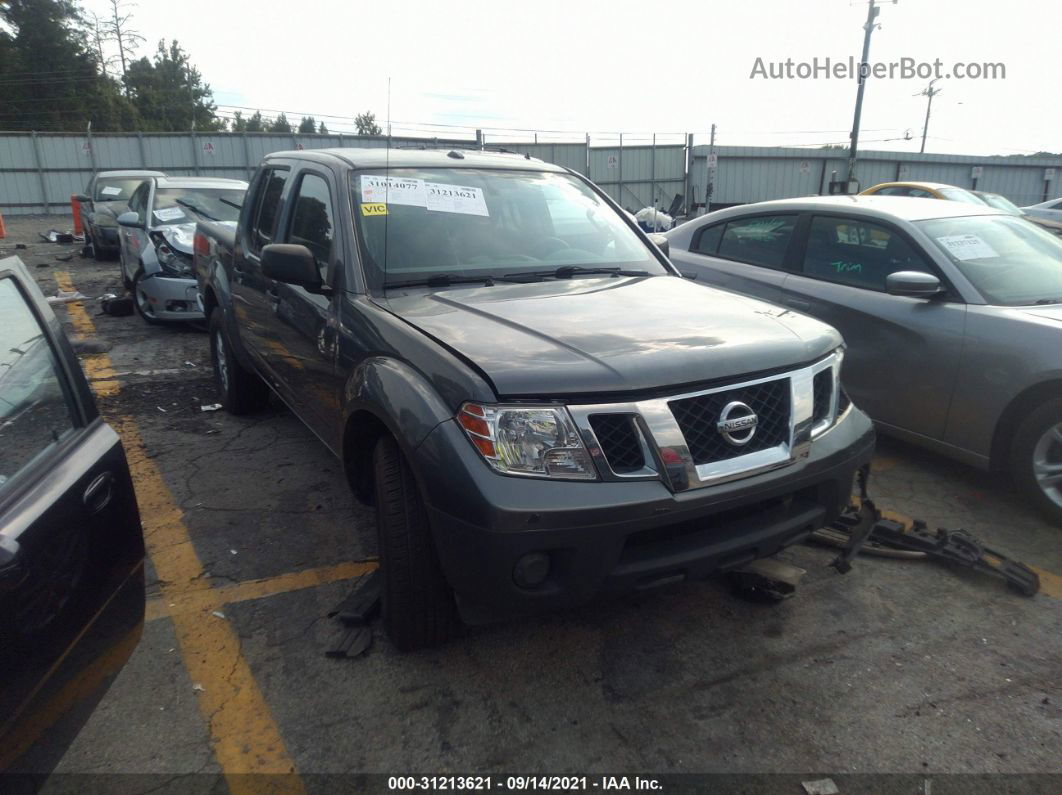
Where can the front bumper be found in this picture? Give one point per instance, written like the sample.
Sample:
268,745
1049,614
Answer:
173,298
619,536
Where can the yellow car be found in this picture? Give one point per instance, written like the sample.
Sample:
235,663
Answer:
924,190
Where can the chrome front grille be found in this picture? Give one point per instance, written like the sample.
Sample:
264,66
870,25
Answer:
698,418
686,440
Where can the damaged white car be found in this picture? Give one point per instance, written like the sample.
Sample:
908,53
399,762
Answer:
156,239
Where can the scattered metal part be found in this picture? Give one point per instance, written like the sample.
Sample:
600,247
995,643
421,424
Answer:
822,786
961,547
64,257
210,407
857,522
766,580
217,614
160,408
66,297
190,364
355,612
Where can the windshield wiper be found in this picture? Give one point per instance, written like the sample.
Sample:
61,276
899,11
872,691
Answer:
1042,301
195,208
446,279
568,271
231,204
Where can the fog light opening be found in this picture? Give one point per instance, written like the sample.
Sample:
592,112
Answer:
531,570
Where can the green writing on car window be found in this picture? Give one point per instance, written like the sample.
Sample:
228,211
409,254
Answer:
847,267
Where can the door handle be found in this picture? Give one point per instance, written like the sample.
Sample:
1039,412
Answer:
99,492
796,303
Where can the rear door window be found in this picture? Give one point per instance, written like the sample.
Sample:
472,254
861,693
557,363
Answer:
761,240
858,253
707,239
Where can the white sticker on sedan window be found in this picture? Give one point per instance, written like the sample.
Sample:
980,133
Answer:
377,189
456,199
169,213
110,190
966,247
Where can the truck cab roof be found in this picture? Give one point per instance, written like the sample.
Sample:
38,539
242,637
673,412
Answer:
363,157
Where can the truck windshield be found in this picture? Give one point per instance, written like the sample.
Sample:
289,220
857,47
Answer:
463,224
1009,260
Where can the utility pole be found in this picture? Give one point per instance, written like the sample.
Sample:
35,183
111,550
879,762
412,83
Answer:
929,92
868,29
709,173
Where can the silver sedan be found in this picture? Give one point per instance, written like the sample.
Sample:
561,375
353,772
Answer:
952,314
157,237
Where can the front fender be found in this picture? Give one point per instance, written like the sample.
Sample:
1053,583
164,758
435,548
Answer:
399,396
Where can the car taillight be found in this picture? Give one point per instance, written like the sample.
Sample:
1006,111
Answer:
201,245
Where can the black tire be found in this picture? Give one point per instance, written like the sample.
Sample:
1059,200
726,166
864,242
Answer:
417,604
1036,454
144,311
240,390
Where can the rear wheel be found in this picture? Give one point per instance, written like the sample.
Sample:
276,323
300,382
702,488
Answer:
241,391
418,606
1036,458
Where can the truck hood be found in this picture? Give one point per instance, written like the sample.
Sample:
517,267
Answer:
588,336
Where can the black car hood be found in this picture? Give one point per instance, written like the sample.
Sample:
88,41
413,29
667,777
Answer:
106,213
586,336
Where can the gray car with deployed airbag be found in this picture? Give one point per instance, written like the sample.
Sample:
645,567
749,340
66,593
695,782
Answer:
952,314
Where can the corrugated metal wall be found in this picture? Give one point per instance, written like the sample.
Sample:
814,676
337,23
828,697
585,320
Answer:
751,174
39,172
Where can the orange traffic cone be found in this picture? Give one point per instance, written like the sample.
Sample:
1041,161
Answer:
75,207
3,229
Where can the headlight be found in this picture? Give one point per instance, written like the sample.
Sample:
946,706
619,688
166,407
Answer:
524,440
172,262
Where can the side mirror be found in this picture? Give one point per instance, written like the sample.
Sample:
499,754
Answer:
661,243
291,264
83,198
130,219
915,284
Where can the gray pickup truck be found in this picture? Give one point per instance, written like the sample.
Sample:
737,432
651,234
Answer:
539,405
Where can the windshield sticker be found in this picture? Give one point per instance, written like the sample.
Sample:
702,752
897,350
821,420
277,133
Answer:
966,247
375,208
169,213
392,190
110,190
847,267
456,199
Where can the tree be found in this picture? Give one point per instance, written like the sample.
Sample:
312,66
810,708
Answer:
52,73
169,93
308,125
121,32
366,124
239,123
280,124
255,123
322,130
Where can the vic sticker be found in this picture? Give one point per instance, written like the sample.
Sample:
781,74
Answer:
376,208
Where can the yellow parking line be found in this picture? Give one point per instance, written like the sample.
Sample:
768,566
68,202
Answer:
97,366
1050,583
212,598
244,736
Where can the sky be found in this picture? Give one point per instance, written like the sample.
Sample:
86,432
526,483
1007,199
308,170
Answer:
571,67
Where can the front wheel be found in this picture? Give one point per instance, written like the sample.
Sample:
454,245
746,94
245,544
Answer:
417,604
241,391
141,301
1036,458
